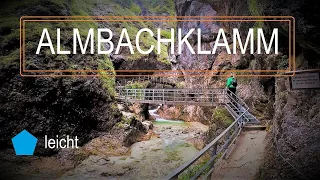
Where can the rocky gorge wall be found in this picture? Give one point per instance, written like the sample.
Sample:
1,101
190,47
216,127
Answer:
83,107
260,98
293,144
294,136
293,147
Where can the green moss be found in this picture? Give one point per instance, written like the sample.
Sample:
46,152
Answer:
180,84
124,122
253,8
10,59
172,155
166,34
255,11
192,170
81,8
107,79
283,62
160,7
222,116
135,9
136,85
11,38
62,57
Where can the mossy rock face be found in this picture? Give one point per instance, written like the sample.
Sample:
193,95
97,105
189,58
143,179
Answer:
55,106
82,107
222,117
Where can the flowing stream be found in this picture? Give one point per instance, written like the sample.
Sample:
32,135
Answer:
151,159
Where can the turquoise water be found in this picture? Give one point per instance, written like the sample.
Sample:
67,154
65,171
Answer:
166,121
161,121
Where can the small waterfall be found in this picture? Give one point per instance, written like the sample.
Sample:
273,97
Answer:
153,112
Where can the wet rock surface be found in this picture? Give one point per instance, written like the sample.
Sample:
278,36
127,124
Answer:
55,106
172,144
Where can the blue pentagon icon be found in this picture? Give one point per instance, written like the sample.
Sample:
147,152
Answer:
24,143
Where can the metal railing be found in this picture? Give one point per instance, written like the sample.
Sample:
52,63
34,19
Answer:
204,97
236,106
218,148
151,79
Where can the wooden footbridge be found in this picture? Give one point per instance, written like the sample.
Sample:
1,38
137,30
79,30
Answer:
220,146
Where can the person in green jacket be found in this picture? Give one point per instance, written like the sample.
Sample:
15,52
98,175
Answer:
232,85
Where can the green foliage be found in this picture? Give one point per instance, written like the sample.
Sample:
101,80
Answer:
124,122
253,8
135,9
13,57
81,8
255,11
166,34
10,21
165,7
107,78
283,62
124,3
136,85
180,84
221,115
192,170
62,57
160,7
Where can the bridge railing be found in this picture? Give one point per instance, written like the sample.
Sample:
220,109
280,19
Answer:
216,149
236,105
164,96
151,79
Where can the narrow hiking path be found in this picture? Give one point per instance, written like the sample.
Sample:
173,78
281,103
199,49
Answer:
245,158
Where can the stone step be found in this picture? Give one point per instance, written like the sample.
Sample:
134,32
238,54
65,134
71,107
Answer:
251,127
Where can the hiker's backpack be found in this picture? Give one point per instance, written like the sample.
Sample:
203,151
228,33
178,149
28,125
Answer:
234,82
